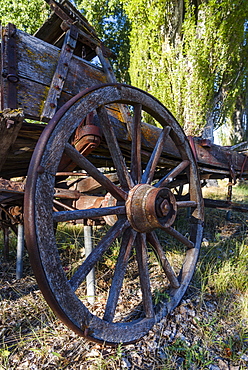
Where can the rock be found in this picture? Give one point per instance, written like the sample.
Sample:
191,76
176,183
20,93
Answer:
213,367
178,318
125,364
244,357
191,312
222,364
183,310
167,333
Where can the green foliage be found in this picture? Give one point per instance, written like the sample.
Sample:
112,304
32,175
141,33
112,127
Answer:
113,27
27,15
190,55
194,356
194,61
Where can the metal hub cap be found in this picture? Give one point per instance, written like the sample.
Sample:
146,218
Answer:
149,208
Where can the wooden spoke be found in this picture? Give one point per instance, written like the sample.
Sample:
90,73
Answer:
97,253
151,165
88,213
142,259
172,174
186,204
83,162
169,272
136,145
116,154
63,205
117,281
181,238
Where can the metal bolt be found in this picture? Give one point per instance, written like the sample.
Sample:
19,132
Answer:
165,207
40,170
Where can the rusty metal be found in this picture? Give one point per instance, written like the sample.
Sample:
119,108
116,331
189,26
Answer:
87,138
242,167
7,185
9,69
149,208
205,142
229,189
15,211
192,145
117,192
226,205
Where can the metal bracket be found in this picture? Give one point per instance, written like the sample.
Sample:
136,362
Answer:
192,146
9,68
60,74
243,167
233,175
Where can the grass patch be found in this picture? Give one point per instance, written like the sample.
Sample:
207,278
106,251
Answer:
209,327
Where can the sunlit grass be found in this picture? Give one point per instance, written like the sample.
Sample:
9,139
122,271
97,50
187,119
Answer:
31,335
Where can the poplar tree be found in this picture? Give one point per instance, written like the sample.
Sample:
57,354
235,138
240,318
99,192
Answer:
191,54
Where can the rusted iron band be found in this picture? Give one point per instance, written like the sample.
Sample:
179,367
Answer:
193,148
243,167
9,67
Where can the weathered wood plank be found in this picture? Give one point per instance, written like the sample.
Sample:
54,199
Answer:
215,156
20,151
37,61
10,124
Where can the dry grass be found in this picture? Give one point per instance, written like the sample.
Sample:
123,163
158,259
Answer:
209,330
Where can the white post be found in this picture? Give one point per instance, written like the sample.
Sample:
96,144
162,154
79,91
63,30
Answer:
90,278
20,249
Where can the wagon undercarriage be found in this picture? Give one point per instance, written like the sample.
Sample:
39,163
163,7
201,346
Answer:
98,160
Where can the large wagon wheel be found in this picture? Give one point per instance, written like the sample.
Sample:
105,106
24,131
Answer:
145,209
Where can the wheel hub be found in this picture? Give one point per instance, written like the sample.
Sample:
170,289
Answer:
149,208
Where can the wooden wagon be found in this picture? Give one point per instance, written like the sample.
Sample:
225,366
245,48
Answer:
97,159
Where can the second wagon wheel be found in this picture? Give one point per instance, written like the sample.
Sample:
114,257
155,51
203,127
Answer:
157,232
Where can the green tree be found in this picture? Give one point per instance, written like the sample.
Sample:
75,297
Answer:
27,15
113,27
192,55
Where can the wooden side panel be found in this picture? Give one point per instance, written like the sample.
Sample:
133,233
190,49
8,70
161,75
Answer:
218,158
37,62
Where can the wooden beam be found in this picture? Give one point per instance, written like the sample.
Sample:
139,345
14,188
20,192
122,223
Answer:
10,124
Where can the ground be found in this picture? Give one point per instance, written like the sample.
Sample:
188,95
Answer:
208,330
